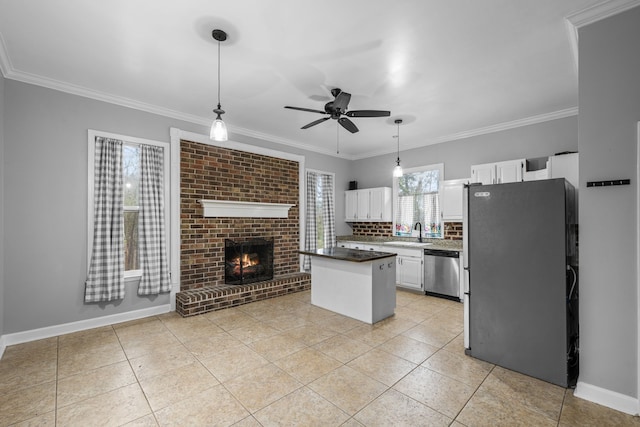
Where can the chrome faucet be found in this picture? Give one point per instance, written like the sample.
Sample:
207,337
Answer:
415,227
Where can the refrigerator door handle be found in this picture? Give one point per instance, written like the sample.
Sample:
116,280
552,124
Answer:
467,344
465,225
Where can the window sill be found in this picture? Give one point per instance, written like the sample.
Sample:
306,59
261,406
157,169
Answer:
132,277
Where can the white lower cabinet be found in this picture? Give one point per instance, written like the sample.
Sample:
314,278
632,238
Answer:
409,262
409,271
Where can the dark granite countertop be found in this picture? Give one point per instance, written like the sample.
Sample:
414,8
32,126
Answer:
346,254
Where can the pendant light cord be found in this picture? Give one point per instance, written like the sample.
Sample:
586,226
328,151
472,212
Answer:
218,73
398,137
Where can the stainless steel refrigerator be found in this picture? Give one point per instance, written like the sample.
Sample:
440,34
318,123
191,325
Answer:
521,278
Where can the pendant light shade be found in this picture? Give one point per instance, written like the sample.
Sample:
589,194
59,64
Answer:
218,130
218,127
397,171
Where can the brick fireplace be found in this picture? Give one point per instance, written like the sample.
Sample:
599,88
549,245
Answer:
215,173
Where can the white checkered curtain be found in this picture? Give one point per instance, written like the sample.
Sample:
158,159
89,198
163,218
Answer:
311,235
328,211
105,281
153,246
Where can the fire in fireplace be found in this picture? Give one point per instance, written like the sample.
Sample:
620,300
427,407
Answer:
248,261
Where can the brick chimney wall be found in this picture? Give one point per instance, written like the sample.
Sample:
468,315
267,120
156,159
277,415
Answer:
215,173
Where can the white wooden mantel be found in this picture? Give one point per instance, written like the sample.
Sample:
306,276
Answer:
225,208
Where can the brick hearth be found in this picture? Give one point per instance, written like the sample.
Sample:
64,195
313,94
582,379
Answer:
216,297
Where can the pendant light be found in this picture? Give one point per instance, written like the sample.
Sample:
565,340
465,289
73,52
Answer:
218,128
397,171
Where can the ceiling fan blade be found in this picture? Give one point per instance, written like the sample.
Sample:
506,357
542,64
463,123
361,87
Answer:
368,113
342,101
317,122
348,124
305,109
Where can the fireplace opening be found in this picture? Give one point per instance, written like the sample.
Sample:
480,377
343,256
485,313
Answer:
248,261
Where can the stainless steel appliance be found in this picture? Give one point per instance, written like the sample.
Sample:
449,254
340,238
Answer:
521,284
442,272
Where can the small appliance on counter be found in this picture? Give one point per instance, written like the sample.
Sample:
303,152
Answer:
521,284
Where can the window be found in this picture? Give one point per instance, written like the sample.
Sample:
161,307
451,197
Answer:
320,215
417,199
131,207
131,174
321,195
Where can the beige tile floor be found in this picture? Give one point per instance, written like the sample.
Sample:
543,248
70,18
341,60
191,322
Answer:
280,362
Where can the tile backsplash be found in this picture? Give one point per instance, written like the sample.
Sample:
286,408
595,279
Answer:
452,230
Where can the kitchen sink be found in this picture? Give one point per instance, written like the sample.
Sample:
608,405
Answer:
410,244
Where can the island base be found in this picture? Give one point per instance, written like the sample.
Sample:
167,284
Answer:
365,291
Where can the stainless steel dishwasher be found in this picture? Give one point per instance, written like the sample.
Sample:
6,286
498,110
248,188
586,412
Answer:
442,273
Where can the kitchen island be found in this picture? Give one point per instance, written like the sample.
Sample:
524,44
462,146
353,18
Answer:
355,283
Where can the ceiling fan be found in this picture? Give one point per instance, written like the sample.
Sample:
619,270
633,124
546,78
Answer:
337,108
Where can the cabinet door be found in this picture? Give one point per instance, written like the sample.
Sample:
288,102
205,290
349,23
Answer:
484,174
451,199
376,203
410,272
363,205
509,171
350,205
380,204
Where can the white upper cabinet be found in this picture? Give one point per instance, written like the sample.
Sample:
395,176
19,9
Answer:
350,205
370,204
380,204
363,205
498,173
484,174
451,199
509,171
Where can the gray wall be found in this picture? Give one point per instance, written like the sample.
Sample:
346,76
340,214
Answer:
542,139
1,205
609,112
45,200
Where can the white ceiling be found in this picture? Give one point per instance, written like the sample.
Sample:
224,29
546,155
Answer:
449,68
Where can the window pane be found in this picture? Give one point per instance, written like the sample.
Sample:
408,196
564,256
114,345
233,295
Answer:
131,256
417,201
319,216
131,173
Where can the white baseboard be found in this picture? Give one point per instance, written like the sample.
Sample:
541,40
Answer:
619,402
81,325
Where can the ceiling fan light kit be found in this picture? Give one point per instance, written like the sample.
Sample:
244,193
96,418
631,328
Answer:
218,127
337,108
397,171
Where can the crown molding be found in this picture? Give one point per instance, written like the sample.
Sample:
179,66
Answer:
5,62
590,15
573,23
11,73
601,11
541,118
